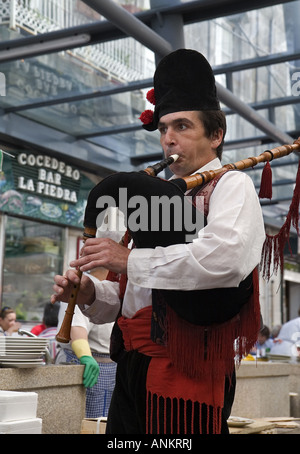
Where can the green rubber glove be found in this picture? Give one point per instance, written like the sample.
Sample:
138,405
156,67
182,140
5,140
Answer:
91,371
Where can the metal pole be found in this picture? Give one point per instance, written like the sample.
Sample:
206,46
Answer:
130,25
171,28
12,15
245,111
168,26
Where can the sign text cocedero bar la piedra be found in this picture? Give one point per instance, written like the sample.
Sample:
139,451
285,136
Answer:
49,177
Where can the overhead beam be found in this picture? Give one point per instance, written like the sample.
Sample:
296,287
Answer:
202,10
256,62
249,114
229,145
141,84
43,46
18,131
105,91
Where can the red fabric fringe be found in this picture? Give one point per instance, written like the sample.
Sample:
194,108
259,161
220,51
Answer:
273,249
196,351
157,407
265,191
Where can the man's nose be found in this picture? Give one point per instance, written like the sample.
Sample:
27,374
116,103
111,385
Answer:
170,138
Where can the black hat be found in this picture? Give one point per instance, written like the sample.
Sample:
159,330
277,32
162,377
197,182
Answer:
183,80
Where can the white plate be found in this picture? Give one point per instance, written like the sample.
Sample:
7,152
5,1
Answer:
23,340
21,346
18,355
22,364
14,351
4,348
274,357
25,343
237,421
21,360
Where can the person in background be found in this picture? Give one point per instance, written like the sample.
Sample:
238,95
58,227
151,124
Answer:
264,342
37,329
288,340
8,323
275,331
50,320
89,346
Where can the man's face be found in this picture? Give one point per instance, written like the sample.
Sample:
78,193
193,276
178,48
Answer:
8,321
183,133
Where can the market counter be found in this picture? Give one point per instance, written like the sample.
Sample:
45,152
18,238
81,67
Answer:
266,389
61,395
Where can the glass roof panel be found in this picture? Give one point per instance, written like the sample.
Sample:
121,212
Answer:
246,35
91,116
141,146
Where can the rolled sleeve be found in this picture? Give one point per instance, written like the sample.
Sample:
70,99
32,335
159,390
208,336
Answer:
106,305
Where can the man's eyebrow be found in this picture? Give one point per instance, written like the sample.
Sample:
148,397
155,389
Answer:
176,121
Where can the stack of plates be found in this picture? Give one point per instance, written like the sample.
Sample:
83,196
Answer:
279,358
22,351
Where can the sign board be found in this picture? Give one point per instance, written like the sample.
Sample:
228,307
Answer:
44,188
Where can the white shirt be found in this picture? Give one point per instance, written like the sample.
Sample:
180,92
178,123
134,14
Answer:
288,336
227,249
98,335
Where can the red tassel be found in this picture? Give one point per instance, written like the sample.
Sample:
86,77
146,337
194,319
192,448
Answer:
151,96
266,183
146,117
274,244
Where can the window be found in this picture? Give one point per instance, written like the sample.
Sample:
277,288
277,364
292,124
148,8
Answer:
33,255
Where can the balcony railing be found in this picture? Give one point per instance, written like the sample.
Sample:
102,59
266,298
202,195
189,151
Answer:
124,59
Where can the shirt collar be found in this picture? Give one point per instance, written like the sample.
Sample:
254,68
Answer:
211,165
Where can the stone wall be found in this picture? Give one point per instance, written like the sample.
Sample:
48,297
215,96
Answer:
61,395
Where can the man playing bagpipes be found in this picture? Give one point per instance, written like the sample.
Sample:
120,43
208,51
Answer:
190,310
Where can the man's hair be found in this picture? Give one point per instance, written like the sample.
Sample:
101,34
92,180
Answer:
50,317
5,311
213,120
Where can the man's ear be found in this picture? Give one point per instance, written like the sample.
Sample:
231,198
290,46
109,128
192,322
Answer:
217,138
